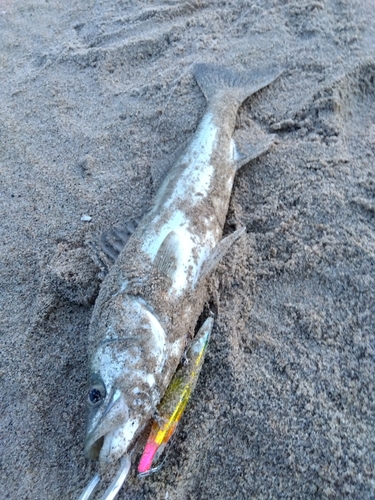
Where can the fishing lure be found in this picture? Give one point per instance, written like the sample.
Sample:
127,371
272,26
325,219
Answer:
175,399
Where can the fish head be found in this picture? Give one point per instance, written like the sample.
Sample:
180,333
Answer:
119,402
123,391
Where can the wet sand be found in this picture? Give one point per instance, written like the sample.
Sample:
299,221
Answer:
95,99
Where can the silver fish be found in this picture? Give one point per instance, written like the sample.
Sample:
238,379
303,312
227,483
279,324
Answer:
149,302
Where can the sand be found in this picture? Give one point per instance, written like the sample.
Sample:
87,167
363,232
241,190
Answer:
95,99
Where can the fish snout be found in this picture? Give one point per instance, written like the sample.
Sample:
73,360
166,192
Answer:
104,421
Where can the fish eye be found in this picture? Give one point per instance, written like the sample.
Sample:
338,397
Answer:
96,394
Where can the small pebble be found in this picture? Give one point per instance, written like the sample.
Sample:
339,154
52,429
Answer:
86,218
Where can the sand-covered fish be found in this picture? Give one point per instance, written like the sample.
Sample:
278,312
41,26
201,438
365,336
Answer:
149,303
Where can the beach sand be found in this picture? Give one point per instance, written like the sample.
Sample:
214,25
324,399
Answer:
95,99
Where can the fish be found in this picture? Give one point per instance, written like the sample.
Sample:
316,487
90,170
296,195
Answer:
147,309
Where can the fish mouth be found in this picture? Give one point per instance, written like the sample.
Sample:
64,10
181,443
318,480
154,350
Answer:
99,448
111,431
93,447
112,445
104,425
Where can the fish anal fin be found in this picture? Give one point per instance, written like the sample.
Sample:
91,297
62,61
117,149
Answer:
221,249
108,246
166,259
248,147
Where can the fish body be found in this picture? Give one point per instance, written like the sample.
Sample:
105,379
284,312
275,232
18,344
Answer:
149,302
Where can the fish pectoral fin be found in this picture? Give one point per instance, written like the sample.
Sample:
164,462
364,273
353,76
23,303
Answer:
247,148
167,257
221,249
107,246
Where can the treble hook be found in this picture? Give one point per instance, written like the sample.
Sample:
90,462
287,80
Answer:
115,486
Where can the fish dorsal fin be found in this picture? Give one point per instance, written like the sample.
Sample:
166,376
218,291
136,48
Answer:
248,148
221,249
107,246
167,257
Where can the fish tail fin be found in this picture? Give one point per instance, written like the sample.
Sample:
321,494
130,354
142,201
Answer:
214,80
